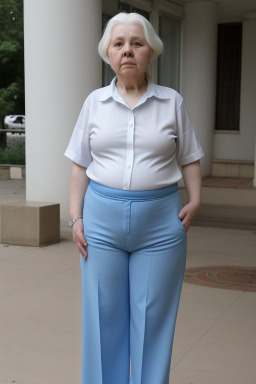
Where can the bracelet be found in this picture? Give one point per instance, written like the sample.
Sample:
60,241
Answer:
71,222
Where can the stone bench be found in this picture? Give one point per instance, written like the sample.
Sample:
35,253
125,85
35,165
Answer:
30,224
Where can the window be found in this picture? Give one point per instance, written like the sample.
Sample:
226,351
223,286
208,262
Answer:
124,7
169,60
228,76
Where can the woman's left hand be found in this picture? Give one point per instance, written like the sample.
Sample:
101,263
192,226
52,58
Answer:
188,213
192,177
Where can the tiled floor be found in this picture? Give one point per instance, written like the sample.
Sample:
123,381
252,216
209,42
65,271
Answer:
40,312
236,278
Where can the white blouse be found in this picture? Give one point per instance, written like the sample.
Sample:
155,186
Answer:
134,149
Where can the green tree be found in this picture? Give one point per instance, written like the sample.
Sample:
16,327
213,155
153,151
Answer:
12,99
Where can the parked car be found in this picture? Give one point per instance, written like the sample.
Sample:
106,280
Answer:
15,122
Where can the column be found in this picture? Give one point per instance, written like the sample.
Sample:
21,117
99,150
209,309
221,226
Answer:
248,91
62,67
199,71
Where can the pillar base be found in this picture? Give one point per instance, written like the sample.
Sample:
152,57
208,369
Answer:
30,224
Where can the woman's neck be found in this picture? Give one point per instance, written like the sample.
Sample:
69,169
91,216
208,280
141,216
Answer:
131,85
132,90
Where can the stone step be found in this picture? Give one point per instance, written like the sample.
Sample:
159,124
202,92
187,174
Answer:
241,197
226,203
226,216
227,191
232,168
225,196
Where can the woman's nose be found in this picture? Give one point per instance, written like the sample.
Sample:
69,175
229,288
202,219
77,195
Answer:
127,52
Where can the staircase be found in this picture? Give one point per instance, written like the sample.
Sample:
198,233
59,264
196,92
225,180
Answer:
227,202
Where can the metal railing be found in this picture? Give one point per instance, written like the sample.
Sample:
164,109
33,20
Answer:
12,130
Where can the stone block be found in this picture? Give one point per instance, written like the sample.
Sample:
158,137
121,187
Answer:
4,173
218,170
15,173
247,170
232,170
30,224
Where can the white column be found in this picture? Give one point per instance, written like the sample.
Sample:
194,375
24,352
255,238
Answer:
248,89
199,71
62,67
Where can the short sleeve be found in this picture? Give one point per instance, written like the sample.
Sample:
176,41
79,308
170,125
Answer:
78,149
189,149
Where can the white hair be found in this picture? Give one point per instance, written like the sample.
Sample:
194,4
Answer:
150,35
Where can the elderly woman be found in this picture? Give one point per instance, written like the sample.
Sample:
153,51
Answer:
131,142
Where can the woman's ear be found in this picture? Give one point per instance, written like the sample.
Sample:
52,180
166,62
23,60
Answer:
151,54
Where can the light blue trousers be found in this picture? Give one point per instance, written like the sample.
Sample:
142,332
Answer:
131,284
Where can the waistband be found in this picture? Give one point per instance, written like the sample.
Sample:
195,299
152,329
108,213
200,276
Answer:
121,194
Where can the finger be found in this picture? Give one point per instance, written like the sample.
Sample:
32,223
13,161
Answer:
185,220
82,240
84,254
181,215
82,250
185,225
79,237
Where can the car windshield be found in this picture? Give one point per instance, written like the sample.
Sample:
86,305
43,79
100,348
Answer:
19,119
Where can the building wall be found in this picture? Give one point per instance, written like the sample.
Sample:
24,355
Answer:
62,67
241,145
224,145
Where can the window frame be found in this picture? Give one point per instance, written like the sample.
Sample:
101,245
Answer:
220,82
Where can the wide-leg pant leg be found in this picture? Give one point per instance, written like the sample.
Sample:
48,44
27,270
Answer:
105,295
134,270
156,273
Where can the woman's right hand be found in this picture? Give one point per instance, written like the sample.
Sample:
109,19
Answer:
78,237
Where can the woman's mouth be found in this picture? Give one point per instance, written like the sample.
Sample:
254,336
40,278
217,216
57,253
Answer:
128,63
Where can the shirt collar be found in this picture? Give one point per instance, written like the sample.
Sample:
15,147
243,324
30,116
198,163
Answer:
108,91
157,91
153,90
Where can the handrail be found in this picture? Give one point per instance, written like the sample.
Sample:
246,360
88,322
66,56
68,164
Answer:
13,130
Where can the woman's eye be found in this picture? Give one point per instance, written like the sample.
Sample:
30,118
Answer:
137,44
118,44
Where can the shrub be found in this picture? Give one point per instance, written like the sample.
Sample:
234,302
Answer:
13,154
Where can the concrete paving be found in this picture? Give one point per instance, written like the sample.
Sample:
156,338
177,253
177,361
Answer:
40,311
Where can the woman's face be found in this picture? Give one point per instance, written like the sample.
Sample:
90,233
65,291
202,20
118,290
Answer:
129,52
